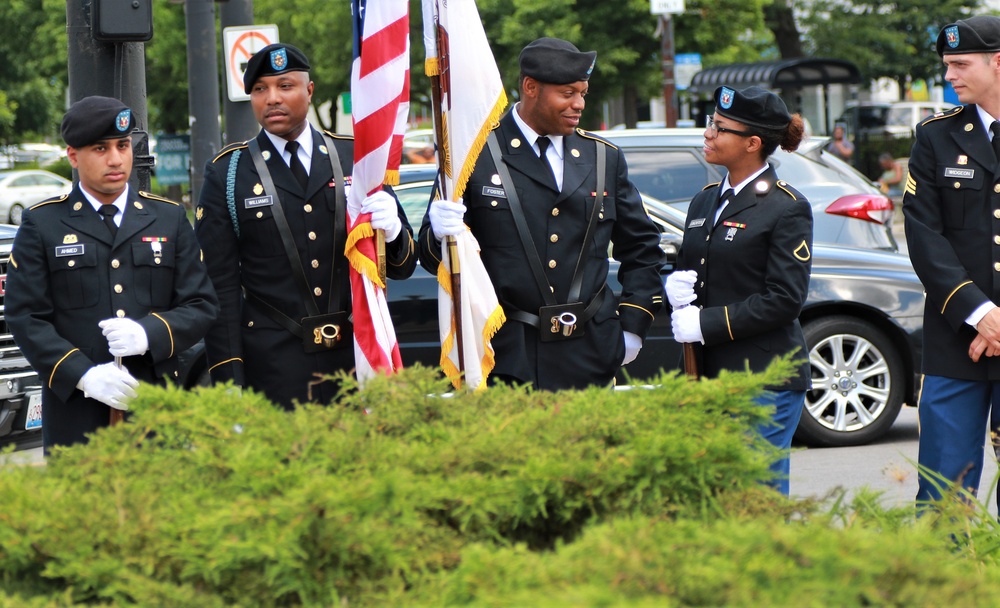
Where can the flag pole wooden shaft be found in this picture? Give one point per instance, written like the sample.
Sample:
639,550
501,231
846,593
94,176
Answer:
690,363
117,416
450,241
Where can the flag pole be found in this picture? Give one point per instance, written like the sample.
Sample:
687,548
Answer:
117,416
450,241
690,363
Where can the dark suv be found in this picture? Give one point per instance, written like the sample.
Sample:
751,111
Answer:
20,389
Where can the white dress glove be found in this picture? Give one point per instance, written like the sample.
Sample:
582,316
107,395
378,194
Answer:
125,337
633,344
447,218
680,287
686,323
109,385
384,214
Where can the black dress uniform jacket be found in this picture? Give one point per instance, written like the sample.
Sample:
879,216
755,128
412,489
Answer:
67,273
753,275
557,222
247,345
951,205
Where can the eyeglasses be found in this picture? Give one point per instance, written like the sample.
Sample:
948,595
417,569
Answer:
716,129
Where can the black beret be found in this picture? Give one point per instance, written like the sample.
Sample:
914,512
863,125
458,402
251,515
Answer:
273,59
752,106
979,34
95,118
556,61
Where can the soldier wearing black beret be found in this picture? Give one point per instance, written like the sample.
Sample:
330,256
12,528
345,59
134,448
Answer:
548,172
950,204
100,274
282,192
743,269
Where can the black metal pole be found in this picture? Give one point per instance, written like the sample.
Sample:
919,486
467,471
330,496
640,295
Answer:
203,89
111,69
240,122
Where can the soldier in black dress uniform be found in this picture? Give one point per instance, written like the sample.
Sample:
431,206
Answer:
272,221
103,272
572,211
743,270
951,206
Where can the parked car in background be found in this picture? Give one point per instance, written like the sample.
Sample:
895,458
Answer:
883,118
20,388
668,164
418,146
904,116
20,189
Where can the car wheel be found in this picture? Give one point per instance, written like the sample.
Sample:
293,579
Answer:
857,383
15,214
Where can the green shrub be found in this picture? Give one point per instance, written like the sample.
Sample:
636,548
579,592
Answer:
764,561
638,497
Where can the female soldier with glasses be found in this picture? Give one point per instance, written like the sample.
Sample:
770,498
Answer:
743,269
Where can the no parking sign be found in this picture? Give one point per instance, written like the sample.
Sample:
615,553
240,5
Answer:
240,45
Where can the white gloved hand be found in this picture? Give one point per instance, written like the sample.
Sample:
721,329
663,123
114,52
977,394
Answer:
447,218
686,323
680,287
125,337
384,214
109,385
633,344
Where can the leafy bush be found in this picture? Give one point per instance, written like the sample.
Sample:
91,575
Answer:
638,497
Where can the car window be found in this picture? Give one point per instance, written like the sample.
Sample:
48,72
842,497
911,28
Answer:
23,181
414,199
899,117
672,175
48,180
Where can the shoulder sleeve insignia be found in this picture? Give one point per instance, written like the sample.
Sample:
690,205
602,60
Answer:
801,252
156,197
49,201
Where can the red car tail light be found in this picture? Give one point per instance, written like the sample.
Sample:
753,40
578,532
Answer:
869,207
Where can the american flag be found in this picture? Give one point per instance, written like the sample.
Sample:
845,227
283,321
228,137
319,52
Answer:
380,103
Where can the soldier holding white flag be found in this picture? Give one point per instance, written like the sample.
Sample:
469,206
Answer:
544,201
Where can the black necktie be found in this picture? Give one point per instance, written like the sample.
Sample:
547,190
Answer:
728,194
109,211
995,130
298,169
543,147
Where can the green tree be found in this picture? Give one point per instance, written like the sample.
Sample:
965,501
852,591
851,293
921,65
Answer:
884,39
166,70
33,72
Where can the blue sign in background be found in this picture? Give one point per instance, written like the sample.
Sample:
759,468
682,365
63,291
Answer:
173,159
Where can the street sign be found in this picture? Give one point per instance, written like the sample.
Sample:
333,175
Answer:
240,45
666,7
686,65
173,160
